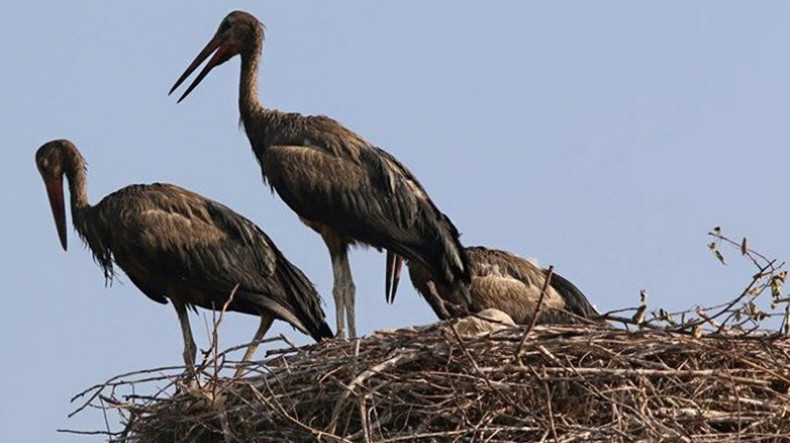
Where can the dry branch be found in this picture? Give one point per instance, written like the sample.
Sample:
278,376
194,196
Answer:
686,376
568,383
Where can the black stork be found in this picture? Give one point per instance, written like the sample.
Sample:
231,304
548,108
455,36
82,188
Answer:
176,245
509,283
340,185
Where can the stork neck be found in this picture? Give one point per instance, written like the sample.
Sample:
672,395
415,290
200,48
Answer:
249,101
78,190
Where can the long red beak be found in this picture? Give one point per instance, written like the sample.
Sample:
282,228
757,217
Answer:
394,266
222,55
55,194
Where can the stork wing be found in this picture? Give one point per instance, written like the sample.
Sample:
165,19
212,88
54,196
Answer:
184,242
521,282
193,239
366,194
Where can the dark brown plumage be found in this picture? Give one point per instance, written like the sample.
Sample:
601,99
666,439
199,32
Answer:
177,245
342,186
511,284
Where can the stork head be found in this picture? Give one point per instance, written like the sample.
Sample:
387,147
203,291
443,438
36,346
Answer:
238,32
54,160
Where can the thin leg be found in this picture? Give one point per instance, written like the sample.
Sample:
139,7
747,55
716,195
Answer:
266,322
337,293
349,293
347,289
343,288
189,344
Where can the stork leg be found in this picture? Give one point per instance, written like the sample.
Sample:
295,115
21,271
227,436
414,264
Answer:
190,350
349,295
266,322
343,289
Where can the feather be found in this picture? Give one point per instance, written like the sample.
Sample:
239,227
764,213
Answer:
332,177
503,281
173,243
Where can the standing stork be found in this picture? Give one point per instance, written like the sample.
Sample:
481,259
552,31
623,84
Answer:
511,284
340,185
177,245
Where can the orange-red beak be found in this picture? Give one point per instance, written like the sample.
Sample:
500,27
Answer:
55,194
394,266
222,54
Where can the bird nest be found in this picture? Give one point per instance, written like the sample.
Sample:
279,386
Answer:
566,383
700,375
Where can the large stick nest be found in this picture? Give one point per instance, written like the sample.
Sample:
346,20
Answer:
563,383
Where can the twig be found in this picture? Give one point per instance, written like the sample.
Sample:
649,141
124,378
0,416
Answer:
550,412
549,273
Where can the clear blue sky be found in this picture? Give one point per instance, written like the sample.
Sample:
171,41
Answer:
605,138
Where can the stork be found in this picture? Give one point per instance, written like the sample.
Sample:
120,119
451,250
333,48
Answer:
176,245
511,284
340,185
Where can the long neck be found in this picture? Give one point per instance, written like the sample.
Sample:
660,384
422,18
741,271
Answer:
89,227
249,101
78,191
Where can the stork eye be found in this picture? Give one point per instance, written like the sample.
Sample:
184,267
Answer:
224,26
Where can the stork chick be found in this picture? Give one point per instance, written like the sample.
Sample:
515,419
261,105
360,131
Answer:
507,282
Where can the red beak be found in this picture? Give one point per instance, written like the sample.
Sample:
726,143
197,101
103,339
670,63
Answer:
55,194
394,266
222,55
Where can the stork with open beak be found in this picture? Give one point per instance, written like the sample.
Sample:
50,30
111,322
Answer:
341,185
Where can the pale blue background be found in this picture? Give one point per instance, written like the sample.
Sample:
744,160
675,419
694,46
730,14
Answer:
605,138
